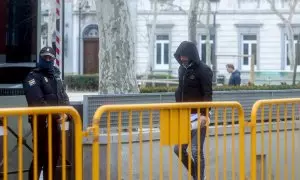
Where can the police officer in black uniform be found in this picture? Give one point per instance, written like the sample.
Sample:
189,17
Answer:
43,87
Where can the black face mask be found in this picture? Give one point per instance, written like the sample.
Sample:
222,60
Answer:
47,65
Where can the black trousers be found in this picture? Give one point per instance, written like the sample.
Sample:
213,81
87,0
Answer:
42,146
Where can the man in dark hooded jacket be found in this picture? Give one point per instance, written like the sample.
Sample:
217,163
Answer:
43,87
195,85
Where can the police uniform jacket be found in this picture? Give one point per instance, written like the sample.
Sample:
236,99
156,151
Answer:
45,88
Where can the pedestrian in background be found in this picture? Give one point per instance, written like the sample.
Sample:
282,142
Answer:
235,77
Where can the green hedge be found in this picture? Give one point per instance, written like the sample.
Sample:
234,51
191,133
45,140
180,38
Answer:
223,88
82,82
90,83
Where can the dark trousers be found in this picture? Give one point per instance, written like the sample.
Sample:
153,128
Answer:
195,153
42,146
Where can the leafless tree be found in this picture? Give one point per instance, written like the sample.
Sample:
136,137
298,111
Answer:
205,4
152,37
207,27
116,67
192,20
289,31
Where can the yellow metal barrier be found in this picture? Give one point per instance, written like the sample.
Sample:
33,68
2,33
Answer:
19,112
277,118
174,128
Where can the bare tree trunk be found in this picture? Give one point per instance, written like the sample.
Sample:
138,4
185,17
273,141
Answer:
208,46
152,39
192,23
117,52
290,36
297,60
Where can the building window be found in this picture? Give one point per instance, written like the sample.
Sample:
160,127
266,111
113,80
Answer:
203,47
162,46
287,59
249,48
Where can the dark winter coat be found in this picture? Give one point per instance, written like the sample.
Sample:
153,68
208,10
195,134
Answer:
235,78
45,88
195,81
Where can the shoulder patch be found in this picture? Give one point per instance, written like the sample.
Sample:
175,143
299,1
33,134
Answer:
31,82
46,79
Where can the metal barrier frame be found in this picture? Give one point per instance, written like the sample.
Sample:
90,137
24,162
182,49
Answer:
37,111
257,105
165,106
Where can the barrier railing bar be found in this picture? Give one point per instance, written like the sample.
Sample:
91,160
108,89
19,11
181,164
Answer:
233,144
270,142
225,144
120,145
293,141
20,148
207,150
108,160
35,148
241,142
64,150
277,140
5,153
198,144
130,146
141,144
217,144
151,144
50,145
189,149
285,143
170,156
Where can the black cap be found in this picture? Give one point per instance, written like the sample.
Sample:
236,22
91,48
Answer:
47,51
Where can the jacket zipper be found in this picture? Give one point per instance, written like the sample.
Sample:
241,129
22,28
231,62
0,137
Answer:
186,68
182,86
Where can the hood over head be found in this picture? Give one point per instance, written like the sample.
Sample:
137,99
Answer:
188,49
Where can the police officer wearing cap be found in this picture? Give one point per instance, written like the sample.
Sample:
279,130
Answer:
43,87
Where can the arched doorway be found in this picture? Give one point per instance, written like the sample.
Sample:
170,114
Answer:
91,49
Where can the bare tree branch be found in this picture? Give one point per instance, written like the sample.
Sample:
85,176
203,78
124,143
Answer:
272,4
176,6
201,10
292,9
289,32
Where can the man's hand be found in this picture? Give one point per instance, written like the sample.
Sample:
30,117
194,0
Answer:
204,121
62,117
